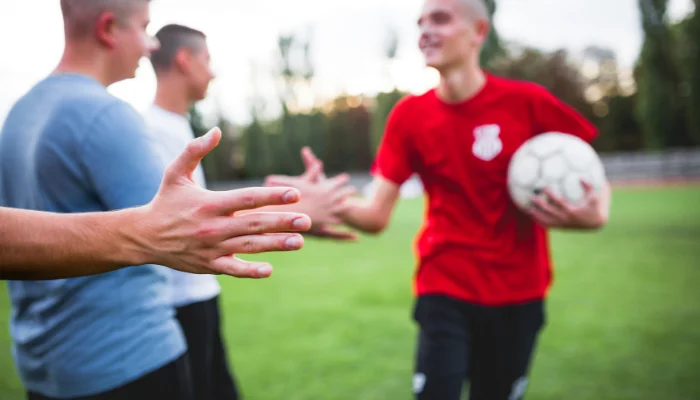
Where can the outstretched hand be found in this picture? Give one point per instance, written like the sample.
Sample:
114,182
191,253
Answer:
316,190
552,211
194,230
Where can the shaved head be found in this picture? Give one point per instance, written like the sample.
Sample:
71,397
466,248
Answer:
80,16
475,9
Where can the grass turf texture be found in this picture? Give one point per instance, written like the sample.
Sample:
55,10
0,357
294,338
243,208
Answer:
334,320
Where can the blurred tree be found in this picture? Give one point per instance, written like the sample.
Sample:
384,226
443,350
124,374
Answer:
347,146
492,48
552,71
612,101
619,129
688,36
384,102
297,72
256,157
661,104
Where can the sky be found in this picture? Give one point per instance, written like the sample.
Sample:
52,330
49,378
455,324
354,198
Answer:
348,38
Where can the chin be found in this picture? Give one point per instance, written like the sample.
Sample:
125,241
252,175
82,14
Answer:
435,64
201,96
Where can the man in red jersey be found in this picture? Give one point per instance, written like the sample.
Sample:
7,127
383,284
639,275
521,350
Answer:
484,266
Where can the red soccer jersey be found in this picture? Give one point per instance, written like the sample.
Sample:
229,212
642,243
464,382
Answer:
475,245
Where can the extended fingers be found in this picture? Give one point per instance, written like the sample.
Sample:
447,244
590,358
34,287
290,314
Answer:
251,198
263,222
232,266
338,234
256,244
282,180
339,180
342,194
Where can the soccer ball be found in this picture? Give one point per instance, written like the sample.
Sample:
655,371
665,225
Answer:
557,161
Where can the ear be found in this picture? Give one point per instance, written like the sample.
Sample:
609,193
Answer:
182,59
104,29
482,28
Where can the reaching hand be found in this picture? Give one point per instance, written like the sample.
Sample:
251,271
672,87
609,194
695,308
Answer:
192,229
323,199
552,211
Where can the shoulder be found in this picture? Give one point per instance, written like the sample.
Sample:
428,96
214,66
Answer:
116,118
410,107
411,102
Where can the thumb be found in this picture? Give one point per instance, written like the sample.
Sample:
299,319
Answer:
281,180
314,173
313,165
308,157
185,164
588,188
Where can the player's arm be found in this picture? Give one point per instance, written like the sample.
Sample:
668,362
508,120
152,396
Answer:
554,212
183,227
392,167
372,215
552,114
41,245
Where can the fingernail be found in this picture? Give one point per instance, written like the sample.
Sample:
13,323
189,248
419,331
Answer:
299,223
293,242
290,196
265,270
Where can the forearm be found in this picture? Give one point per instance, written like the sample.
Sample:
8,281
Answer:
39,245
364,216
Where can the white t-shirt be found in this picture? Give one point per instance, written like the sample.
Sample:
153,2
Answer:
172,133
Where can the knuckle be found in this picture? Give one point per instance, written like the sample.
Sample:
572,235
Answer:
249,200
205,232
249,245
255,225
207,208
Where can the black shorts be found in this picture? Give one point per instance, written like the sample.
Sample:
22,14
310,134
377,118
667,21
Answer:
488,347
172,381
211,375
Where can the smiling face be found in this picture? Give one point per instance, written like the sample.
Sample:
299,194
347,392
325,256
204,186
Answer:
452,32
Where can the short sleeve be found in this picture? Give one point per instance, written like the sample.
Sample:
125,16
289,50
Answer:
120,159
553,115
393,160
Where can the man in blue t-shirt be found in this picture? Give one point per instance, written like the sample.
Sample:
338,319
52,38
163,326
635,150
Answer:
68,146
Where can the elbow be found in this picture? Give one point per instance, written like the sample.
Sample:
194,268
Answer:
375,230
377,227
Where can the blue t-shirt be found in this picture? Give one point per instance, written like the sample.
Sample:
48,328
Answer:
69,146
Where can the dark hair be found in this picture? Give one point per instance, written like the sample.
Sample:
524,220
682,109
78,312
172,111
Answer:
172,38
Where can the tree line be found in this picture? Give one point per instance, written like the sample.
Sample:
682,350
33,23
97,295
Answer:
656,107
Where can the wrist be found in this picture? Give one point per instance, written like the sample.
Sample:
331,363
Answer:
133,246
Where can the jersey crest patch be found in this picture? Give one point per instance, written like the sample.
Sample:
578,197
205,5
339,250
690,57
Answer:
487,143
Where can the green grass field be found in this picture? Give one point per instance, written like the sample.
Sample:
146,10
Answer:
333,323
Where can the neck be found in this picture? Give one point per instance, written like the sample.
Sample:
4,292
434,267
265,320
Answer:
172,96
460,84
81,58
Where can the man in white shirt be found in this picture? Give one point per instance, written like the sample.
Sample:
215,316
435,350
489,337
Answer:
182,67
183,72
